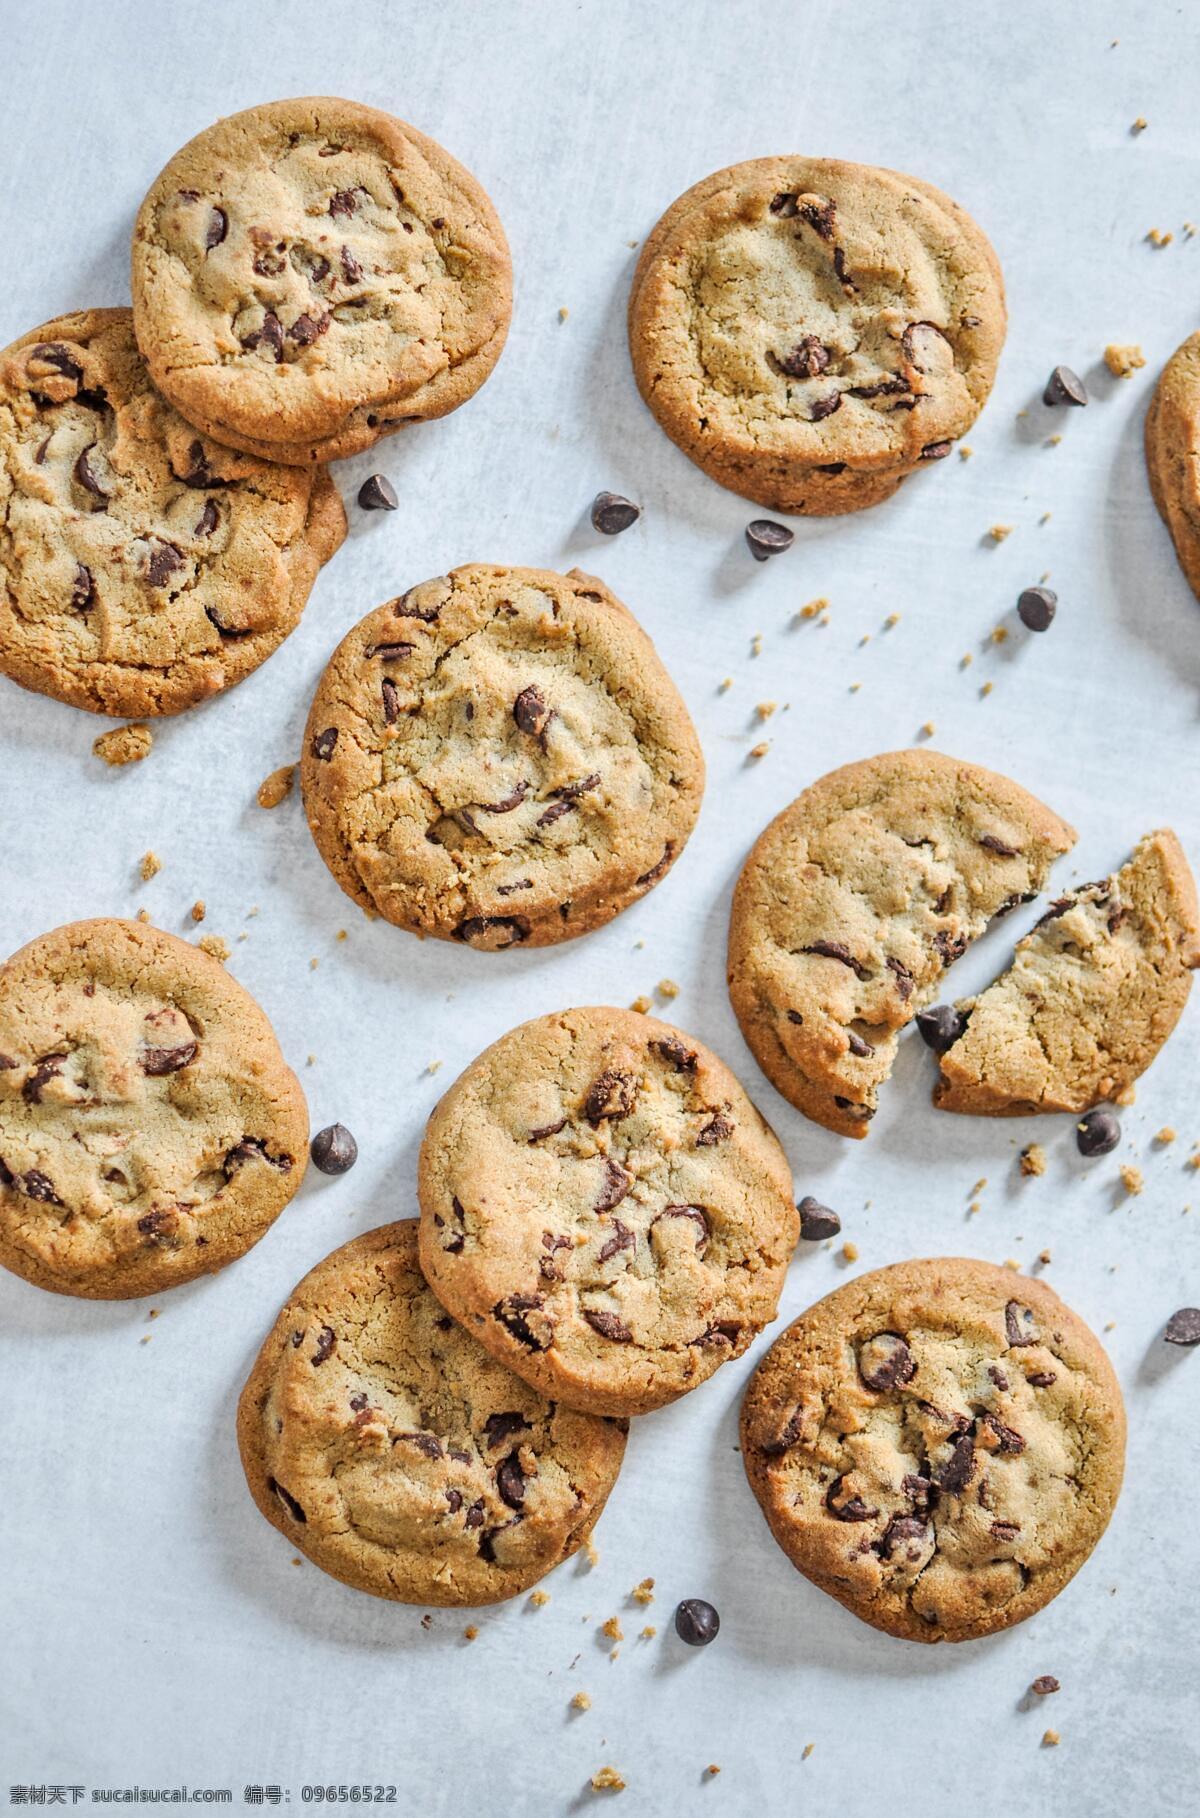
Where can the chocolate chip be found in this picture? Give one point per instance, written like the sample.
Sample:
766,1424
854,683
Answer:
158,1225
54,354
325,743
378,494
326,1340
949,947
617,1182
882,388
921,1492
162,564
270,334
698,1217
358,1401
157,1061
786,1436
306,329
857,1045
807,359
837,950
611,513
390,695
1064,387
621,1239
530,710
208,520
955,1474
696,1622
656,871
611,1095
499,1427
427,1443
997,1376
343,202
849,1508
36,1185
1036,607
498,930
1044,1684
1007,1438
825,407
903,977
907,1531
287,1499
474,1515
513,1315
85,476
1005,1530
1019,1326
218,227
784,204
1041,1379
885,1361
334,1150
1183,1327
510,1482
1098,1131
352,271
46,1069
766,538
714,1131
535,1136
993,843
252,1148
681,1057
817,1221
608,1325
819,213
941,1026
455,1500
936,451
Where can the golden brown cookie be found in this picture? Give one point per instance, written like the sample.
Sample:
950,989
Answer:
311,274
939,1445
150,1129
1093,992
854,901
811,331
143,567
1173,454
385,1443
498,757
603,1207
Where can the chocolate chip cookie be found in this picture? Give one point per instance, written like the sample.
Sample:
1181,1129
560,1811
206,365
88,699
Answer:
810,331
603,1207
385,1443
1092,994
310,275
939,1445
150,1130
498,757
1173,454
142,566
853,903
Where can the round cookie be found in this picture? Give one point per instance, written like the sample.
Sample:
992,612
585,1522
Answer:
855,900
811,331
499,757
386,1444
939,1445
143,567
311,274
603,1207
1172,451
150,1130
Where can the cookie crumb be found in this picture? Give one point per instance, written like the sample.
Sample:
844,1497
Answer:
470,1633
581,1702
965,453
667,987
143,915
928,729
761,750
986,690
998,532
1122,361
433,1066
591,1551
277,787
1189,230
640,1004
1157,238
342,935
1011,1263
607,1780
563,312
198,910
648,1633
812,609
1051,1739
150,866
1131,1178
966,660
724,686
644,1592
214,946
612,1628
1166,1135
765,709
1045,1258
980,1184
850,1252
756,644
539,1599
712,1770
807,1750
124,744
1000,634
1032,1160
1139,125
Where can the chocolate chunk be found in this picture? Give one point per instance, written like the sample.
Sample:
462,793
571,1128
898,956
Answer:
850,1508
157,1061
885,1362
837,950
936,451
907,1532
378,494
218,227
997,1376
672,1050
358,1401
617,1182
1098,1131
839,266
715,1130
83,473
766,538
326,1340
510,1481
427,1443
306,329
343,202
949,947
819,212
455,1500
696,1622
334,1150
857,1045
921,1492
825,407
474,1515
611,513
54,354
817,1221
1005,1530
1064,387
535,1136
1183,1327
506,805
612,1095
1007,1438
786,1437
287,1499
46,1069
621,1239
351,269
721,1332
36,1185
325,743
807,359
1019,1325
993,843
530,710
1040,1379
882,388
919,344
253,1148
208,520
487,1540
270,334
955,1474
499,1427
498,931
698,1217
656,871
1044,1684
162,564
1036,607
390,695
513,1314
784,204
159,1224
903,977
941,1026
608,1325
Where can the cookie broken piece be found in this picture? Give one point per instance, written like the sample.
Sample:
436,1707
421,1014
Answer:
1092,994
382,1441
938,1445
853,903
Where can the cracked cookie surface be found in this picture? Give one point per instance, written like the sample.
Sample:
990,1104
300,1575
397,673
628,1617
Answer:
150,1129
309,275
854,901
1173,454
143,567
499,757
811,331
1094,990
939,1445
382,1440
603,1207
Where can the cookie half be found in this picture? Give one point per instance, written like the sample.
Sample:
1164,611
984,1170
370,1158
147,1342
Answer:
143,567
810,331
855,900
150,1129
939,1445
1093,992
310,275
498,757
1173,454
603,1207
381,1439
